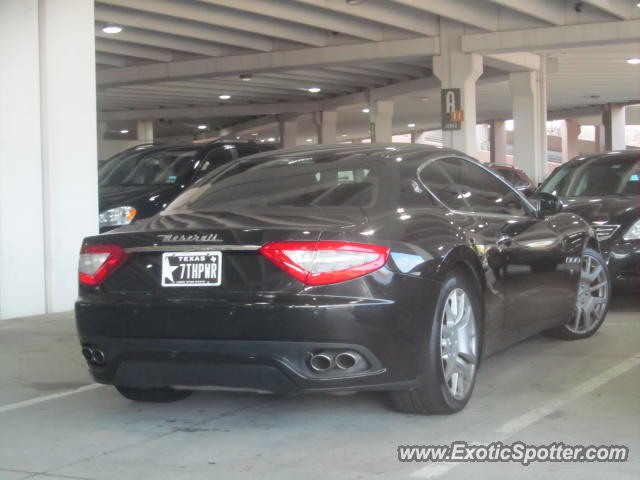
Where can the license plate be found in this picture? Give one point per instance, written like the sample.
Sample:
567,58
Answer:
191,269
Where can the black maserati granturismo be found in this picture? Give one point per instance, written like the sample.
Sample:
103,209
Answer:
336,269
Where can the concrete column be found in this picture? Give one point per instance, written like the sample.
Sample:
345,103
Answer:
570,134
459,70
528,134
482,137
327,126
103,127
456,69
54,71
599,138
145,131
498,142
288,124
613,119
381,120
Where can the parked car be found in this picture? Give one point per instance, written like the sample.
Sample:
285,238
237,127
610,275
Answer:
604,189
516,177
140,184
335,268
127,152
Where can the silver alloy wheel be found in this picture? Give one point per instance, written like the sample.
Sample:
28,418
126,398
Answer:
593,293
458,343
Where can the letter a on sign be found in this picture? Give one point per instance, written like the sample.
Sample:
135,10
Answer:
450,109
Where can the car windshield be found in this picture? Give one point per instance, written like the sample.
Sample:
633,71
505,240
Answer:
319,180
167,166
595,179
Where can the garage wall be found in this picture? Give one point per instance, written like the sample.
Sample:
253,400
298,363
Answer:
48,161
22,288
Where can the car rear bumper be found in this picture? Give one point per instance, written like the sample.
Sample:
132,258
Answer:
264,346
262,366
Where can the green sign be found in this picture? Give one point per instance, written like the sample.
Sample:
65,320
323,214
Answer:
450,107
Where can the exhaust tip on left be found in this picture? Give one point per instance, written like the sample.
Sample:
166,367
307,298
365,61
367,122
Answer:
94,355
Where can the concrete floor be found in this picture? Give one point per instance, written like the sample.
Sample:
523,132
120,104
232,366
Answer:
540,391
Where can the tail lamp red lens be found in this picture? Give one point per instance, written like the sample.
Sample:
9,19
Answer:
326,262
98,261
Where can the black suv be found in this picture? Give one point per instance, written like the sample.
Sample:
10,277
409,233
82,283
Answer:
604,189
141,184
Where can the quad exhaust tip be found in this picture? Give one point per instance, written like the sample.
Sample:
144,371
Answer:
321,362
345,361
94,355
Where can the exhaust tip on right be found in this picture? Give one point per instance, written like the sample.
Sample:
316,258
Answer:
347,360
98,357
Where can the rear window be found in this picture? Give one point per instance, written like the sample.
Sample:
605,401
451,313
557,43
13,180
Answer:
352,180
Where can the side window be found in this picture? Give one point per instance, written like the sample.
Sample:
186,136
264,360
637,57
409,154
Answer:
213,160
482,191
244,150
512,177
441,186
632,183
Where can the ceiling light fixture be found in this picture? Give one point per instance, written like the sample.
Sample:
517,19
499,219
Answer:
634,61
309,140
112,29
224,96
246,77
344,135
411,125
124,131
202,127
365,110
254,133
314,89
271,139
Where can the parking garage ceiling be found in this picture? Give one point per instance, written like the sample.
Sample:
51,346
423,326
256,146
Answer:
230,62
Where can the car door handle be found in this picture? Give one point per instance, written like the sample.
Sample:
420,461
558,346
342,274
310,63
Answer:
504,241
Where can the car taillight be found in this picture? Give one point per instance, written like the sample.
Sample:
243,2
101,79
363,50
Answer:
98,261
325,262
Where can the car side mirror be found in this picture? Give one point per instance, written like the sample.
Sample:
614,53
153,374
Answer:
545,203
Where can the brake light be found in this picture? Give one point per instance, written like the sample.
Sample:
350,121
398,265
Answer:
98,261
325,262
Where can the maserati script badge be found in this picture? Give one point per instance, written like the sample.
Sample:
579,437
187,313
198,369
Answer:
212,237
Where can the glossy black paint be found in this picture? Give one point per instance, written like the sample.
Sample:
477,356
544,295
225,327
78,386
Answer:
150,199
257,329
612,209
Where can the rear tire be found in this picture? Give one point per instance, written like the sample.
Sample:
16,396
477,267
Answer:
592,302
153,395
453,352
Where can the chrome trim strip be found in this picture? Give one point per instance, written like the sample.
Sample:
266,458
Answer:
192,248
